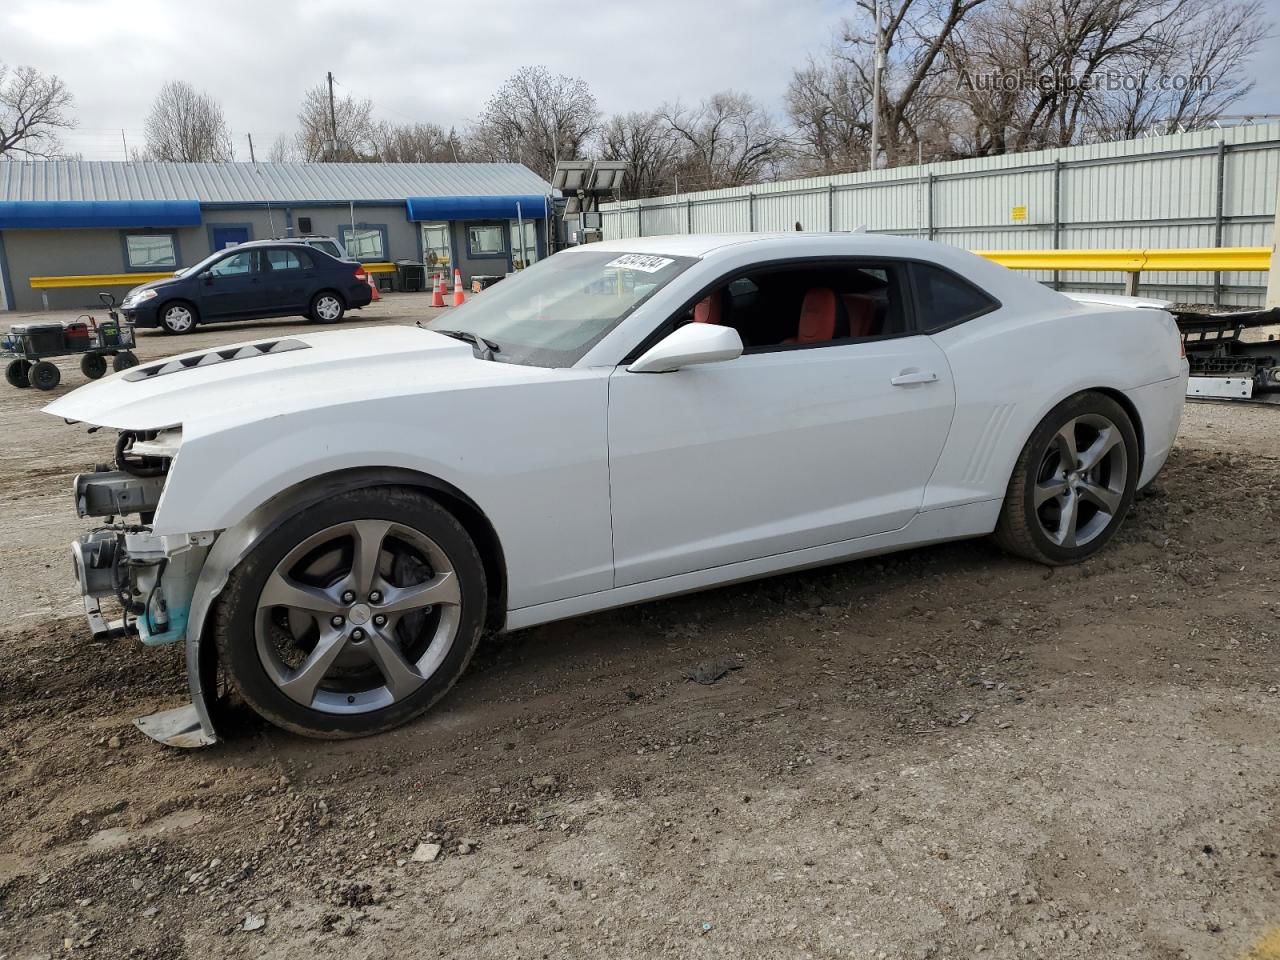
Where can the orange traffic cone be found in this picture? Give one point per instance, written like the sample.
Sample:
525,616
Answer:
458,296
437,290
373,287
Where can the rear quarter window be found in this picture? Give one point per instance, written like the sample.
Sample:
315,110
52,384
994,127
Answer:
944,299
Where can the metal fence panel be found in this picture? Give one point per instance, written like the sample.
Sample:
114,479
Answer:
1203,189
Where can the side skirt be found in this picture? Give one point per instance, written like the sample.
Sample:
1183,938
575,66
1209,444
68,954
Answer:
932,526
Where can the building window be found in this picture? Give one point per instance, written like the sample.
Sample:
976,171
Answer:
150,251
524,253
364,241
485,240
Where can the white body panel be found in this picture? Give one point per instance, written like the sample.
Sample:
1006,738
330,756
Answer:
605,487
771,453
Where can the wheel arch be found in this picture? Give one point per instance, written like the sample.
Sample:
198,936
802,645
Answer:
1126,404
333,290
234,544
467,512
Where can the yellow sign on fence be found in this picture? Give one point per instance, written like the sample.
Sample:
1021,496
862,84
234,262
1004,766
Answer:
1018,213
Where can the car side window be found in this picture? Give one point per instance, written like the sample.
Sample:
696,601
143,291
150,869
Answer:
286,260
944,299
235,265
808,304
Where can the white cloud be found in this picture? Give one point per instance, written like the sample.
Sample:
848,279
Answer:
415,61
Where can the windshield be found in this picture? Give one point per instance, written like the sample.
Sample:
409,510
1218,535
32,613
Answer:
552,313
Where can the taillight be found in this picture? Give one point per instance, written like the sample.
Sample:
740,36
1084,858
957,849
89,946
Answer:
361,275
1182,347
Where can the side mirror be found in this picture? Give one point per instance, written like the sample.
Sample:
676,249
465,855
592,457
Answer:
688,345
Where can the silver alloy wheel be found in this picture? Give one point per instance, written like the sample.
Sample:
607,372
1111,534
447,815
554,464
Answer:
337,629
178,318
328,307
1081,481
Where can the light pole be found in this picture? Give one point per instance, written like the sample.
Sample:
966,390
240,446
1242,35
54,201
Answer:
877,68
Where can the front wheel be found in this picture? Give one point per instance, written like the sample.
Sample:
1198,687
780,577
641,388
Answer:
354,615
177,317
327,307
1073,482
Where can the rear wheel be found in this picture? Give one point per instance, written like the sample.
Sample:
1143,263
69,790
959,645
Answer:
177,317
93,365
18,373
123,361
1073,482
327,307
355,615
45,376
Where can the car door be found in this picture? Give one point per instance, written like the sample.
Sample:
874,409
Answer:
232,287
288,274
786,447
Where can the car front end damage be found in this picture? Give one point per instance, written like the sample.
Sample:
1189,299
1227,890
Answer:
151,578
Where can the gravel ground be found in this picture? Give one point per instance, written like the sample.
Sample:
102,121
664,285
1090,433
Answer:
943,753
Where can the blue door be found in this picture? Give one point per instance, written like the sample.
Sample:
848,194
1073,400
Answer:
224,237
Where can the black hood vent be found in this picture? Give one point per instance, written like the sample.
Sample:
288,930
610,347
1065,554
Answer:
214,356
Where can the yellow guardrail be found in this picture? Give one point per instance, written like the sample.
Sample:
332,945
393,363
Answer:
1135,261
133,279
98,280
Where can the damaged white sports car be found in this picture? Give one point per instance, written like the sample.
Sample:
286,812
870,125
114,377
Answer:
331,520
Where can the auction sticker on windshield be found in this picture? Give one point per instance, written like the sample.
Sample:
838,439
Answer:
638,261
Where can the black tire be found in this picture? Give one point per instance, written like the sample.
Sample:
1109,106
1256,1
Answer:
45,376
123,361
236,619
1102,495
322,307
18,373
178,317
93,365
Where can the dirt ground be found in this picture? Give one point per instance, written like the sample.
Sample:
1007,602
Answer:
945,753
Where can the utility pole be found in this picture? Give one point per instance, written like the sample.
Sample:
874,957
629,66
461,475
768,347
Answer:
333,123
124,143
252,158
877,69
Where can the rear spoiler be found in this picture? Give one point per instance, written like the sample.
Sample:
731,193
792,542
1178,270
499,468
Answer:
1112,300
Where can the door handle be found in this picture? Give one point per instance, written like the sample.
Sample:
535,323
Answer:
907,377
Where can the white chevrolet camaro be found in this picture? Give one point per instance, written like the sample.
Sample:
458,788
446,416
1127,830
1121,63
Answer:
330,521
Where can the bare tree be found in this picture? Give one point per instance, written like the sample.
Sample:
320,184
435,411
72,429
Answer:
33,108
188,126
354,122
414,143
829,105
1193,72
1076,71
284,149
536,118
650,149
727,140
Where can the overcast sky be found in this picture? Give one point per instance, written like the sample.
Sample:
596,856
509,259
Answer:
417,61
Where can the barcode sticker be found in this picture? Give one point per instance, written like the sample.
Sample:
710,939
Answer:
638,261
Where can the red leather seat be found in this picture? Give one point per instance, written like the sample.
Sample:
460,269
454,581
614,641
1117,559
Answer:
818,317
862,314
707,310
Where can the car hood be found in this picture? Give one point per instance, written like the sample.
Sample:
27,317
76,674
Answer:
210,389
153,285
